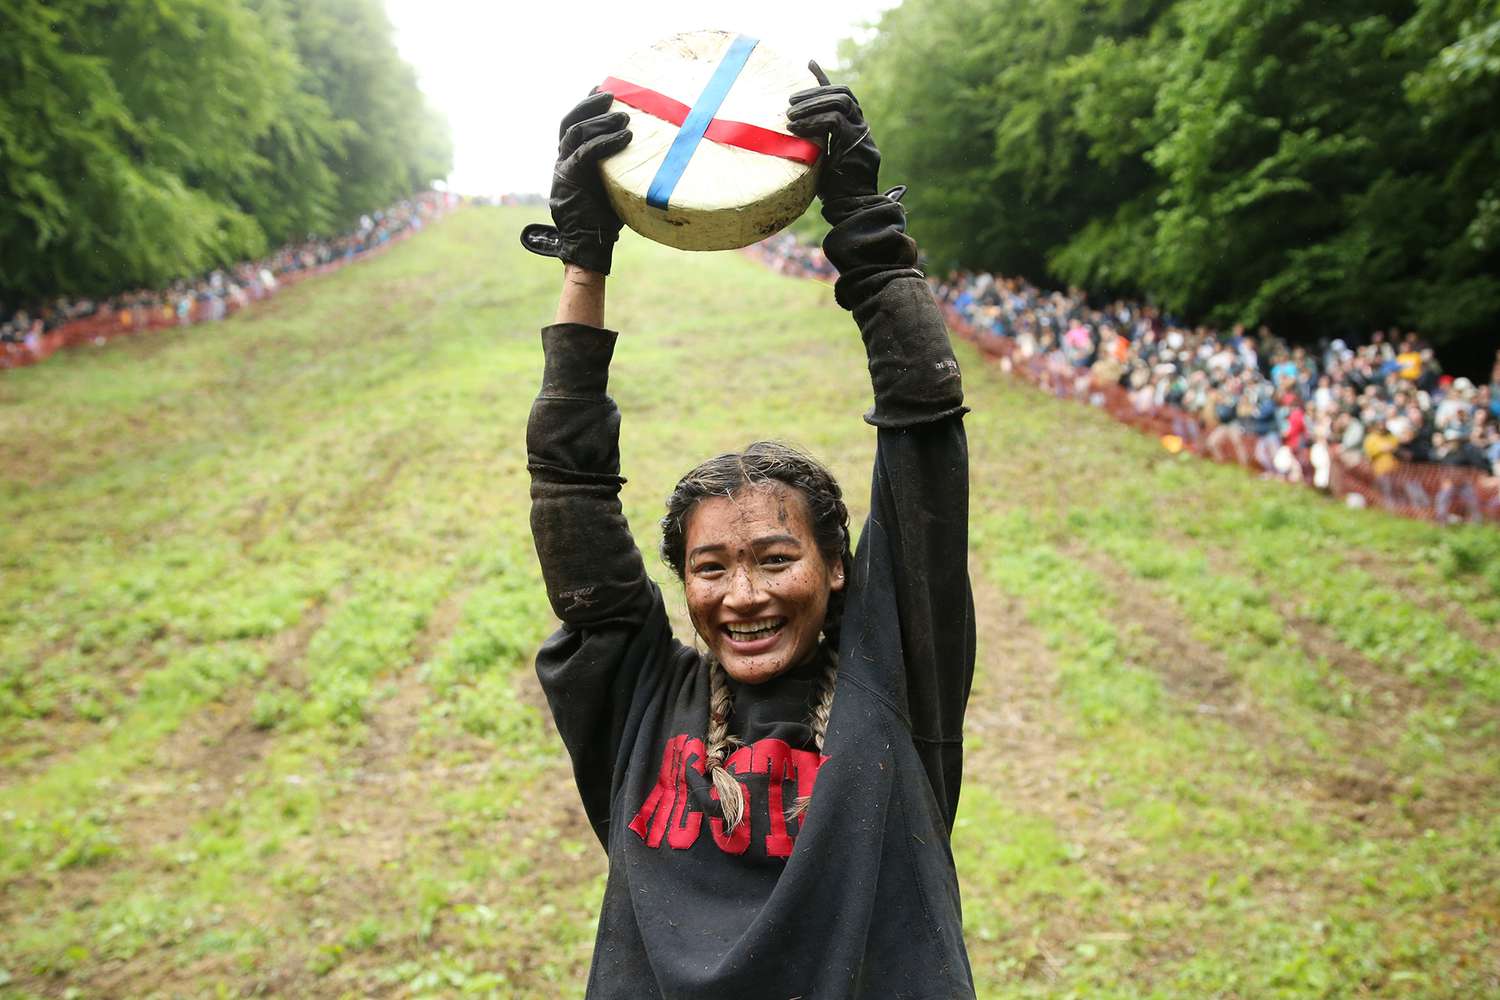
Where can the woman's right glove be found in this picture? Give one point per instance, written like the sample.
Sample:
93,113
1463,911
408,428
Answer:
585,225
851,163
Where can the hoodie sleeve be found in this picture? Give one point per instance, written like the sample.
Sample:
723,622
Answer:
912,567
613,618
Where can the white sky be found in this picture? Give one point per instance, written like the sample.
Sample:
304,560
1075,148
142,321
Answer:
504,72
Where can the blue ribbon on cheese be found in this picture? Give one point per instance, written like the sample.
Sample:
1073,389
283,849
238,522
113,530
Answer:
697,121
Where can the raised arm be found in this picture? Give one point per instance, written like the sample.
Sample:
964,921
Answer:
595,577
594,573
589,559
911,587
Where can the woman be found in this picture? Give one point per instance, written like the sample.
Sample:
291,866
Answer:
776,808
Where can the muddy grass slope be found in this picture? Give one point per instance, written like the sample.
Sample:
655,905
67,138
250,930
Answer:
268,727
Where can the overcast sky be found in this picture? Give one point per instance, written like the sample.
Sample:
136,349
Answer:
505,72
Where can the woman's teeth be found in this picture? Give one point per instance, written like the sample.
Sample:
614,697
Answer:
756,631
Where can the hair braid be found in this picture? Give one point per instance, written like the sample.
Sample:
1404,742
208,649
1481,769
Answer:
818,722
720,705
819,718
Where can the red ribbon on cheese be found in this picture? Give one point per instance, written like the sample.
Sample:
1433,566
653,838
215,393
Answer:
721,130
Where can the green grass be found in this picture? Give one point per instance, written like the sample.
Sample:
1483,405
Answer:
268,725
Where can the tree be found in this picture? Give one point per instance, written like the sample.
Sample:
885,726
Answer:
1320,165
118,132
390,139
975,104
146,140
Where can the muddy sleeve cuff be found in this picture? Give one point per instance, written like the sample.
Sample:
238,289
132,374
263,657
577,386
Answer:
869,246
912,369
577,359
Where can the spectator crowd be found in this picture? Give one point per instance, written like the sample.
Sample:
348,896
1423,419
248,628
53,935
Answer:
24,331
1308,413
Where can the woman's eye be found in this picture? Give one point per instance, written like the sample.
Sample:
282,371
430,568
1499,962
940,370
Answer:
707,569
776,559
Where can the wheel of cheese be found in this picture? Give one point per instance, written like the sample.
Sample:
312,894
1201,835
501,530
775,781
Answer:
710,165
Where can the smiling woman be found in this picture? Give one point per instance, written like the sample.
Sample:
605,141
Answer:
761,568
776,808
757,588
767,539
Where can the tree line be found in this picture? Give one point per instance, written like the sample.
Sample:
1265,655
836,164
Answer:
146,140
1323,166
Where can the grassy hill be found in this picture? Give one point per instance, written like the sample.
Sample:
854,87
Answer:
268,725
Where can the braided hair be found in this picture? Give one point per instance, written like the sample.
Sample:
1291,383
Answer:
761,464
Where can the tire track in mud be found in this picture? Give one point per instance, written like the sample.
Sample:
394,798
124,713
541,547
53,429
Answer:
371,805
536,849
1023,747
1358,776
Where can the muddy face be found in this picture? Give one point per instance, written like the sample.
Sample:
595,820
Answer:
757,587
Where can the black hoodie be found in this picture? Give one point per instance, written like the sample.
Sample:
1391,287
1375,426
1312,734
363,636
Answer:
859,898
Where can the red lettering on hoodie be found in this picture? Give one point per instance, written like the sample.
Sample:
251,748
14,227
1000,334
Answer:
667,813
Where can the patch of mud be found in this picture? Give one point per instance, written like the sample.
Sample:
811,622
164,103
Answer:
1014,714
1384,697
1357,775
536,854
1021,746
197,768
222,743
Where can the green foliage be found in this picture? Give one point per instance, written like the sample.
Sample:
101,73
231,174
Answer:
391,143
1298,162
146,141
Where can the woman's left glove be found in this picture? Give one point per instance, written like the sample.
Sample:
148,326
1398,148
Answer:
586,226
868,242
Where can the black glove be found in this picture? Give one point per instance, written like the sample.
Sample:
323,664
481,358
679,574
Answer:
586,226
851,165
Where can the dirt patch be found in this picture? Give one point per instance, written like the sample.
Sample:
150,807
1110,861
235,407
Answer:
532,857
1385,698
1014,717
197,768
222,743
1363,777
395,719
35,745
383,816
1020,744
369,492
1358,775
1360,788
